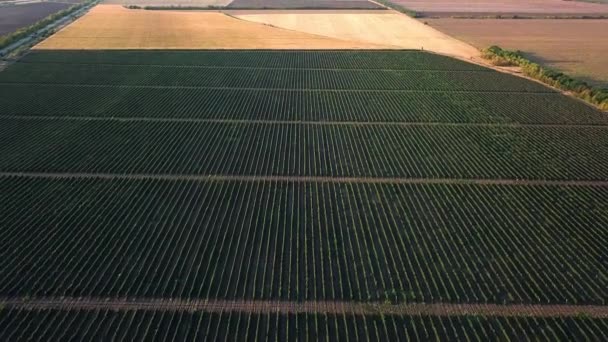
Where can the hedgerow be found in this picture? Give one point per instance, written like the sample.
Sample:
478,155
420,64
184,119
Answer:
580,89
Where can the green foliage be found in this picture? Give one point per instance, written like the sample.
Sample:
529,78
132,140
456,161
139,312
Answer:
589,93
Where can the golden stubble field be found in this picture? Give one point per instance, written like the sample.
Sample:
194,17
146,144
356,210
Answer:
578,47
111,27
375,27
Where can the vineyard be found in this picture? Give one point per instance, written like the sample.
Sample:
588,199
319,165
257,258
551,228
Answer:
150,325
303,241
301,149
294,105
365,179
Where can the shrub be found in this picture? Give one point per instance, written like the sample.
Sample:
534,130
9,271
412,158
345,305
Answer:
580,89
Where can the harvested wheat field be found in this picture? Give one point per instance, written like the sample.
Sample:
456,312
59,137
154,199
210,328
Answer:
446,8
112,27
576,47
376,27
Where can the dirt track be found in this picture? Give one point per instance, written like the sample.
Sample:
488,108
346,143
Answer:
287,307
296,122
307,179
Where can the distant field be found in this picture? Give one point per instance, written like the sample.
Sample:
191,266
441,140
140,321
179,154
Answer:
377,27
287,4
577,47
194,3
15,17
115,27
445,8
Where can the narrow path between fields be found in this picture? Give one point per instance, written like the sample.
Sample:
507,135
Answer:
300,122
288,307
84,85
305,179
185,66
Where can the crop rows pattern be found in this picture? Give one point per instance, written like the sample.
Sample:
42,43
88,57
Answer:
116,199
396,60
150,325
195,148
295,105
341,79
303,241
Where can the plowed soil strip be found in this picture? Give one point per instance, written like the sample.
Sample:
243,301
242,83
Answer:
305,179
548,91
287,307
294,122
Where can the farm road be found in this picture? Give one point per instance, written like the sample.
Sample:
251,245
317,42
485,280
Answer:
288,307
307,179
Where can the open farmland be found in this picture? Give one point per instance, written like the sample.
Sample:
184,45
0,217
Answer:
283,195
480,8
153,325
169,3
574,46
389,28
114,27
17,16
303,4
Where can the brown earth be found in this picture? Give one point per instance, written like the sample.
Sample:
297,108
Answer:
510,7
114,27
329,307
577,47
308,179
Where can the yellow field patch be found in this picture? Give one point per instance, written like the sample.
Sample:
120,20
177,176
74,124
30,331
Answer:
376,27
115,27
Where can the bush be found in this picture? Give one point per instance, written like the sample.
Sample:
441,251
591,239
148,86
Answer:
580,89
400,8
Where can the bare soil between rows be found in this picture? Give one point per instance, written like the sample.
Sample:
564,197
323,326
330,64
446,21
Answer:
307,179
289,307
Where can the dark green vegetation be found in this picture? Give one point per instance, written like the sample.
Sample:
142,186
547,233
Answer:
589,93
304,149
400,8
116,202
303,241
294,105
150,325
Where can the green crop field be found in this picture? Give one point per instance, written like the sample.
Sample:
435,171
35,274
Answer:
304,149
304,241
260,187
151,325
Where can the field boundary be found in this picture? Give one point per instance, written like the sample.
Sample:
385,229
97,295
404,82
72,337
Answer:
291,307
85,85
184,66
305,179
300,122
